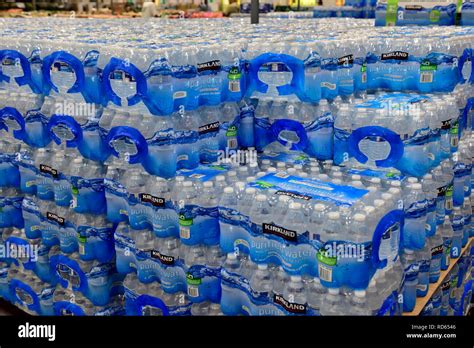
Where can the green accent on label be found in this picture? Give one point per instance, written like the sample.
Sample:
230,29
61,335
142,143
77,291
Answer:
391,14
447,251
190,280
82,239
231,131
234,73
426,65
264,184
435,15
327,260
185,222
30,183
454,129
75,191
301,158
1,210
390,175
449,191
217,167
363,68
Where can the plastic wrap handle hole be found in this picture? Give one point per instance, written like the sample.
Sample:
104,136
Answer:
375,148
123,84
63,75
288,136
275,74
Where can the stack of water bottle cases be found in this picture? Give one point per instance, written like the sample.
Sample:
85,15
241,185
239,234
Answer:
291,168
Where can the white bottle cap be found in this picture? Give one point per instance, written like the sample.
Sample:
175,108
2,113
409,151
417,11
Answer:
467,200
187,184
250,179
333,215
369,209
378,203
260,174
179,178
395,183
281,165
250,190
357,183
266,161
284,198
408,251
220,178
355,177
261,198
208,184
291,171
298,167
295,278
387,196
372,188
262,266
231,173
337,181
416,186
240,185
242,169
232,256
323,176
295,205
271,170
394,191
412,180
228,190
375,180
333,291
319,207
359,217
359,293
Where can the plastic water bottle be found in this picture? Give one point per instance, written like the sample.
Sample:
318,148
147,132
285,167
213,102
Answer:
467,214
332,303
261,280
411,269
316,294
437,252
458,232
424,259
415,206
374,298
294,291
261,211
358,303
446,232
248,198
295,219
232,263
430,191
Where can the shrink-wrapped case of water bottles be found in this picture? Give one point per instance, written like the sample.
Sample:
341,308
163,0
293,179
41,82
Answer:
296,167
